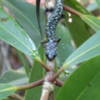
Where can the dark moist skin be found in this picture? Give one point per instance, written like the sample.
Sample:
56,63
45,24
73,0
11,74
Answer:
53,19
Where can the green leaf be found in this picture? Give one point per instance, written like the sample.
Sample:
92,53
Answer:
36,74
78,28
25,14
11,33
17,77
88,50
79,33
77,6
92,21
65,47
6,90
84,83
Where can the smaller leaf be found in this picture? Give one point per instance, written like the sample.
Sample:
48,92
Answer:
88,50
79,34
92,21
6,90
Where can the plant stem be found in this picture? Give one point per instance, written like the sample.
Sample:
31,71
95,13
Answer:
31,85
17,96
38,83
48,86
71,10
57,74
59,83
46,67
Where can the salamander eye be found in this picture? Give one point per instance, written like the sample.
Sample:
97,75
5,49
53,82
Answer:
49,10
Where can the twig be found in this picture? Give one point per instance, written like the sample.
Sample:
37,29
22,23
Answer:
31,85
57,74
48,86
59,83
38,83
16,96
71,10
46,67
